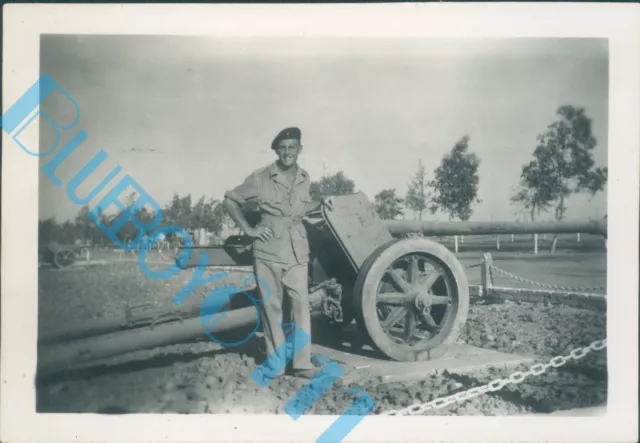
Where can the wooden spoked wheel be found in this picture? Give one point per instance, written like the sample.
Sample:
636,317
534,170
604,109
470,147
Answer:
411,298
63,258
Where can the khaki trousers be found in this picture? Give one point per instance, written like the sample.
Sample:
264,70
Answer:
280,279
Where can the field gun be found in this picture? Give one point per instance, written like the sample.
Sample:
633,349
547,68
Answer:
60,256
408,294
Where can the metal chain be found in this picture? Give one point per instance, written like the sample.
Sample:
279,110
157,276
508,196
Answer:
545,285
496,385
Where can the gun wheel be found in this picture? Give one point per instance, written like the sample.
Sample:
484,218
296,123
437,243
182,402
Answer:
411,299
64,258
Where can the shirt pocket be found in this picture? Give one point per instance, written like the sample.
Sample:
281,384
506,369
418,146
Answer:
299,203
276,199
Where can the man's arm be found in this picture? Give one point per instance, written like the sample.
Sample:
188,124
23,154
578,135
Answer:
237,215
243,195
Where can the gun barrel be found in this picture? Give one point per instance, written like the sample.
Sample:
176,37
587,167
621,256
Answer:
403,227
113,338
61,356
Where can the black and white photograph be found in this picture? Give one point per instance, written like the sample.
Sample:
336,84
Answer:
298,225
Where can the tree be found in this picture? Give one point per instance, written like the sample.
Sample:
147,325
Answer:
527,201
388,205
337,184
203,216
88,230
179,211
225,222
563,161
68,233
130,231
419,196
48,231
456,181
84,224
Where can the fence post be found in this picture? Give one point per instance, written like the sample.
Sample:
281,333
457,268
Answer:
498,242
455,243
578,235
535,244
88,255
511,238
462,239
486,280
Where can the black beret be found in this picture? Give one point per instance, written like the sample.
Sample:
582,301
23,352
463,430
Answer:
286,134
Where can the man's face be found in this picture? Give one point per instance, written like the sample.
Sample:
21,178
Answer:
288,151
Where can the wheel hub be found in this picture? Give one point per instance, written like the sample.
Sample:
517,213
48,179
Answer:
423,301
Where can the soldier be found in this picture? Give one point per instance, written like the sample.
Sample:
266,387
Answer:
280,192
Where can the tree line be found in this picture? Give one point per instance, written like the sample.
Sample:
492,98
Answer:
204,213
562,165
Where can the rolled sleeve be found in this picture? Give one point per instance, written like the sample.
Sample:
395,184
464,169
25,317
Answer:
246,191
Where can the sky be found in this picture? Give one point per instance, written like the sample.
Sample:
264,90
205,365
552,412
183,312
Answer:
197,114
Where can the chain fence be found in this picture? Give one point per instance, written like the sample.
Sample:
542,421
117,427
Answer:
545,285
495,385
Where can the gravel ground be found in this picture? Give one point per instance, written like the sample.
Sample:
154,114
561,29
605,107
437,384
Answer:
202,378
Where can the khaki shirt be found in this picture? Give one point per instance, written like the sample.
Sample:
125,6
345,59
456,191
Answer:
282,207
